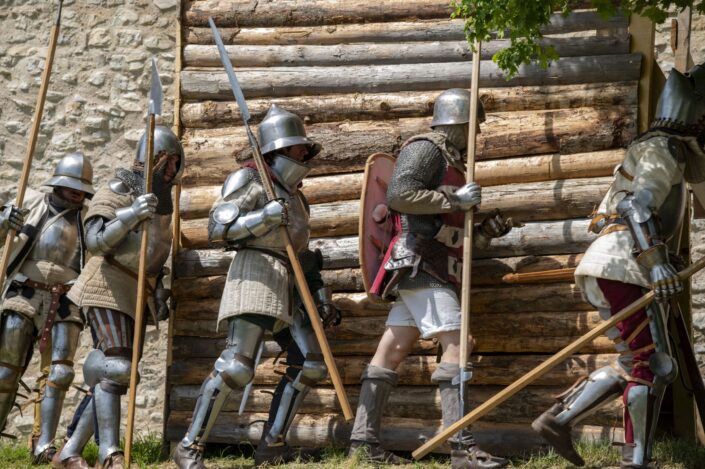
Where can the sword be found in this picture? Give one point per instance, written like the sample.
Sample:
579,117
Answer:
248,388
299,276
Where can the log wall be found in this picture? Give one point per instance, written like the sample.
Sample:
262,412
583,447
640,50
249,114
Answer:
364,75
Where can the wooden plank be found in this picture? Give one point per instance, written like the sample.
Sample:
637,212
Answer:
385,106
213,153
444,29
417,369
296,81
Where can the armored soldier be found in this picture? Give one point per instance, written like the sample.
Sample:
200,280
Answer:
106,289
638,225
257,294
47,257
428,198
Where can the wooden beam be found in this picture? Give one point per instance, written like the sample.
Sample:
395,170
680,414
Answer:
643,35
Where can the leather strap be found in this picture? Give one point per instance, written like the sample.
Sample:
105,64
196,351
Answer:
57,291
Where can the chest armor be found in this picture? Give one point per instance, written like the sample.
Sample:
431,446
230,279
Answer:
298,227
58,242
159,246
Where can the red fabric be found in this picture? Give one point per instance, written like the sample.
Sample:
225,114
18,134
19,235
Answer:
379,283
620,295
272,174
454,178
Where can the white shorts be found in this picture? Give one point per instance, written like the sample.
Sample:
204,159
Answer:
431,310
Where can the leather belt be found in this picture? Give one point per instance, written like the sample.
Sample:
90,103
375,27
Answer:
57,291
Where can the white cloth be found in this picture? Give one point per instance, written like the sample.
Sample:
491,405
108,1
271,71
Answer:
431,310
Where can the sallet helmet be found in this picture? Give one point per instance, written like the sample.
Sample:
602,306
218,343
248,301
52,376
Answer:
681,106
453,107
281,129
75,172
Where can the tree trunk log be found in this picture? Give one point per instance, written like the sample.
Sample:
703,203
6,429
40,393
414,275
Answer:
297,81
416,370
385,106
213,153
536,201
417,30
421,402
370,53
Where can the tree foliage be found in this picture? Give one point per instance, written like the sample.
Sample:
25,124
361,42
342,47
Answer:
521,21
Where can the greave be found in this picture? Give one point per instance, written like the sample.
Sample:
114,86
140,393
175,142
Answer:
643,410
288,407
81,434
211,398
50,411
588,395
107,408
16,337
450,403
377,384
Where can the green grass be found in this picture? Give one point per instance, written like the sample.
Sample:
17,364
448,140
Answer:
671,453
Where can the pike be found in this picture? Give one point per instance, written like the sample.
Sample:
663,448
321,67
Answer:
546,366
156,96
34,132
301,284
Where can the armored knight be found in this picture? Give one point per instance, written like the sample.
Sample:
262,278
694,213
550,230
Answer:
107,287
257,294
46,259
638,225
428,198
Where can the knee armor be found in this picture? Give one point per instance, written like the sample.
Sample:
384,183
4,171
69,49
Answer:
112,373
235,369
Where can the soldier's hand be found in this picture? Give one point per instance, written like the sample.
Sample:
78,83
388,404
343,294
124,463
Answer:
144,206
329,314
495,225
665,281
466,197
275,213
13,217
161,301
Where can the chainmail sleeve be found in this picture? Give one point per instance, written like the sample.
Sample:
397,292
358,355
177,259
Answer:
418,172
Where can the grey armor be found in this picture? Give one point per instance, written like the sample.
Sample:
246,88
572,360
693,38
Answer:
75,172
280,129
59,242
11,218
167,142
18,331
452,107
681,106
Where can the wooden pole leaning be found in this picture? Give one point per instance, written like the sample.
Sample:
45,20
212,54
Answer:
141,297
302,287
34,132
546,366
464,356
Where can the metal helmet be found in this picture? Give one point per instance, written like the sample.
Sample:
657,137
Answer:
681,106
164,140
453,107
75,172
281,129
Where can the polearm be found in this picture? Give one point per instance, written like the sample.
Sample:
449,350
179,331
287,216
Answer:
155,108
464,358
301,284
546,366
34,132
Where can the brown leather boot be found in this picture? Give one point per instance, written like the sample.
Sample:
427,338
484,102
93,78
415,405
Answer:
373,453
557,435
114,461
74,462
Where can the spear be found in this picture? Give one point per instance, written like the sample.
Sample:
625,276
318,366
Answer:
301,284
156,95
34,132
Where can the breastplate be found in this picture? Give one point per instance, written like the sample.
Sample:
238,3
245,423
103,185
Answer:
159,246
298,227
59,243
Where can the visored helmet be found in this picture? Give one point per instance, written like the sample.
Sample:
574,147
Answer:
75,172
453,107
164,141
681,106
281,129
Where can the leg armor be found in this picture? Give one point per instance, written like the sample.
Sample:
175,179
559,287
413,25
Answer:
64,339
233,369
584,397
107,368
312,371
80,430
16,339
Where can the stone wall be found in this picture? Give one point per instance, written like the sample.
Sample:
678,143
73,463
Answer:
96,103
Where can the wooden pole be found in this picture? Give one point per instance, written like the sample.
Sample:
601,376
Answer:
464,356
545,276
545,367
141,296
34,132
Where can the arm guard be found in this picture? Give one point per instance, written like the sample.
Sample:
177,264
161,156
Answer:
226,222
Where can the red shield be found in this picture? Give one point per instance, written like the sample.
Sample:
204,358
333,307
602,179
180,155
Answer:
376,223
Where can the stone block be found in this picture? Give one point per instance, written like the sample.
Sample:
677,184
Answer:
161,42
165,4
97,78
125,17
129,38
99,37
16,127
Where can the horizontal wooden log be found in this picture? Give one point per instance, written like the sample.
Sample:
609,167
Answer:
536,201
555,297
371,53
398,434
384,106
296,81
417,30
416,370
213,153
421,402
